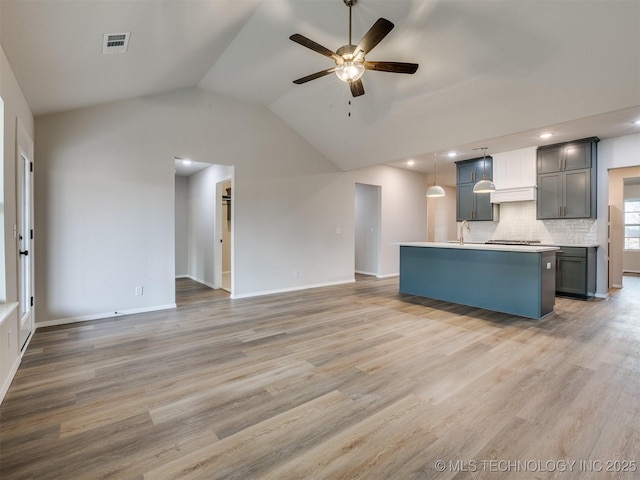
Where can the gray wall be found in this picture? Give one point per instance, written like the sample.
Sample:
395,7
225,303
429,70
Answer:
182,226
105,203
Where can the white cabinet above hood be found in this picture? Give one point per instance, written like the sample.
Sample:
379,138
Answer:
514,175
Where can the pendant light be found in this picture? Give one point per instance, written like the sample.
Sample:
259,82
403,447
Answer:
435,190
484,185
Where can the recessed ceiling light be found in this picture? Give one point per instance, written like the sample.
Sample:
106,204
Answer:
637,122
452,154
411,163
546,135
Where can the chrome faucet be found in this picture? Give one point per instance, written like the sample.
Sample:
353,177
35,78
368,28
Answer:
462,225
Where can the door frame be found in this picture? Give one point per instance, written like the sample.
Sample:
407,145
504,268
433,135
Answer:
24,158
376,227
217,252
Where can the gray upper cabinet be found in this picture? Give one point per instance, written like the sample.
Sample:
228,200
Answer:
566,156
567,180
469,205
471,171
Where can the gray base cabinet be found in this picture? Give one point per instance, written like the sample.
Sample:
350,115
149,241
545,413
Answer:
576,271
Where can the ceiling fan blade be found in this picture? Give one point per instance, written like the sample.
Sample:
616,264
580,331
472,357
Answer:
313,76
394,67
357,88
316,47
374,36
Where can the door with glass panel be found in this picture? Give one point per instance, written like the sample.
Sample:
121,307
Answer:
25,246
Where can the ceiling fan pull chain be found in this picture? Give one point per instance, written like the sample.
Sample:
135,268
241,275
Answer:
349,107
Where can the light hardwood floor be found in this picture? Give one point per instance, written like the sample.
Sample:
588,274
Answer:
354,381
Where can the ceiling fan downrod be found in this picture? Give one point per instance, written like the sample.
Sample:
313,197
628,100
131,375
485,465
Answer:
350,3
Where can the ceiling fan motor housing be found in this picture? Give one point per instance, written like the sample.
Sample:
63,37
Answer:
346,51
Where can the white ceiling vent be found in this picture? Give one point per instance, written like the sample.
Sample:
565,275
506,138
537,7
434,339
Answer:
115,43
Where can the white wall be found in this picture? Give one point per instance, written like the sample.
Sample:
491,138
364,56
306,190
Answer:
442,216
614,152
105,202
182,225
404,209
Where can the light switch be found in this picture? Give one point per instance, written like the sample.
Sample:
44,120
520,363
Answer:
548,265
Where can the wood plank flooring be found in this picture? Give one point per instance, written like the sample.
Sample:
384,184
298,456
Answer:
354,381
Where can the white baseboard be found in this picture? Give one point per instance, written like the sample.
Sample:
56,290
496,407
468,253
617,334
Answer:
601,295
9,379
371,274
97,316
292,289
616,285
388,275
210,285
183,276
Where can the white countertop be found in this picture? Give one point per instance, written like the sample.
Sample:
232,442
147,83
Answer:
577,245
483,246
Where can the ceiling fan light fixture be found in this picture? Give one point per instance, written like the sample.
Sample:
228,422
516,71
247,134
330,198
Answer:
350,71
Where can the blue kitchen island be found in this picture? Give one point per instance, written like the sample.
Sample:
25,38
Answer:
514,279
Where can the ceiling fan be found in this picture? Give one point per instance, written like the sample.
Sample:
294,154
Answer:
350,59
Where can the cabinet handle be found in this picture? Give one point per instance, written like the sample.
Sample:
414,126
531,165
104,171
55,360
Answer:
560,211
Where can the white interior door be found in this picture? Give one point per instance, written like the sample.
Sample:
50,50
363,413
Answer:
25,246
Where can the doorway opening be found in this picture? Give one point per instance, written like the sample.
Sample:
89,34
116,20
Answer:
622,230
203,224
367,222
224,224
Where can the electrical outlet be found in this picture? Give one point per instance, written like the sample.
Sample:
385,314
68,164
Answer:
139,291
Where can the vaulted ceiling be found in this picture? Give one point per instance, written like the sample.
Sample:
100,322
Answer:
492,73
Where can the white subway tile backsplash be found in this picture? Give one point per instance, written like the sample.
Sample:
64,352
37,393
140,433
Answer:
518,222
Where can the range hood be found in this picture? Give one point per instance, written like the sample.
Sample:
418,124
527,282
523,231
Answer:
517,194
515,176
